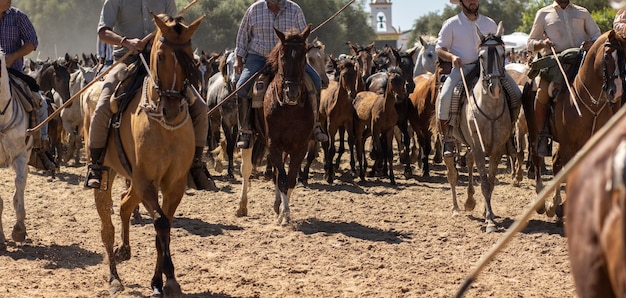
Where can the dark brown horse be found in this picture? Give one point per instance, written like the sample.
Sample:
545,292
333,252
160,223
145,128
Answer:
597,91
376,116
158,143
596,217
288,115
336,111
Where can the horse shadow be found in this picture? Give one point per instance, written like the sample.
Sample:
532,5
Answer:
533,227
137,292
58,256
351,229
193,225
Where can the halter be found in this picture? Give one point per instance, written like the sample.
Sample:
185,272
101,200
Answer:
154,109
292,79
495,63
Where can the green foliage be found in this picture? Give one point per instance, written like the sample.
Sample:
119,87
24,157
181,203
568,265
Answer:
604,18
69,26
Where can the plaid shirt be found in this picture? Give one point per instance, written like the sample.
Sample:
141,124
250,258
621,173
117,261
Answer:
15,30
255,33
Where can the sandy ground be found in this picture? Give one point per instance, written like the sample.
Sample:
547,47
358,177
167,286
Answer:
347,240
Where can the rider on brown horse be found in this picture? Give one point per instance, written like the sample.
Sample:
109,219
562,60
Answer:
581,31
255,40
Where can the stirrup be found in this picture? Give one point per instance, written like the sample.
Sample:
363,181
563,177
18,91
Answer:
448,149
97,177
243,140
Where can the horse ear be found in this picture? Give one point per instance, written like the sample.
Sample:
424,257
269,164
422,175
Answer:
422,42
480,34
159,22
280,35
353,48
194,25
306,32
500,30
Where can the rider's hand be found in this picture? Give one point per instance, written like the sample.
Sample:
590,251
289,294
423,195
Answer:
586,45
547,43
9,59
456,61
238,65
134,44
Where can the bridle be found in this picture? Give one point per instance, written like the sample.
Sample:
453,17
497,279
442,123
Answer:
493,68
292,76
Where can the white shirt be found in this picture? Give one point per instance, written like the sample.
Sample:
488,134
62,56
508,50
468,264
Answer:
458,35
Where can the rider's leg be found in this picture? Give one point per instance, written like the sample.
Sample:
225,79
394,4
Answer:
99,128
199,117
252,65
443,109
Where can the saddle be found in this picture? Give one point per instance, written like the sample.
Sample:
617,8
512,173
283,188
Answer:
548,69
130,81
257,92
459,96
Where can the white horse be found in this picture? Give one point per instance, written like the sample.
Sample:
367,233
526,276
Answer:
426,58
485,125
15,148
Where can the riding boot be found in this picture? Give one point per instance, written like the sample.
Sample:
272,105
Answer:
48,164
544,146
318,133
199,173
245,131
94,174
446,139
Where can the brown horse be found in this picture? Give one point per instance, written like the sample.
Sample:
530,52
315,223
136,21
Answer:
598,89
158,143
288,115
376,116
596,217
336,111
421,113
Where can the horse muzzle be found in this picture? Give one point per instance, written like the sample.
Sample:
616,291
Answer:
292,93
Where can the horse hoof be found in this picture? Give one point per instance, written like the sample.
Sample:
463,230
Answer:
115,287
550,209
241,212
3,246
455,213
541,209
172,289
491,227
122,253
19,232
408,174
559,211
470,205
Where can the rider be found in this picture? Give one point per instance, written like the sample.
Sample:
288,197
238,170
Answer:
255,39
19,39
119,26
559,26
458,43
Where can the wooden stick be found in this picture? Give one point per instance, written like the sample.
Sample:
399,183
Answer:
333,16
97,78
521,223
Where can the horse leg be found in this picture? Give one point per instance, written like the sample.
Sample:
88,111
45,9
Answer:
452,176
281,202
104,204
427,148
310,157
20,166
485,186
389,155
351,143
246,171
341,148
470,203
329,153
556,199
405,157
438,150
231,136
127,207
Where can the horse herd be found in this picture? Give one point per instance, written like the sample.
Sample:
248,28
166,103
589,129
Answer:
384,94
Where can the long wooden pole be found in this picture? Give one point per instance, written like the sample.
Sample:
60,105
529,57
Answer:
100,76
543,194
256,74
572,95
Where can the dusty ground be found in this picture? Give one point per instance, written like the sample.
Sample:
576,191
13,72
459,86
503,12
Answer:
347,240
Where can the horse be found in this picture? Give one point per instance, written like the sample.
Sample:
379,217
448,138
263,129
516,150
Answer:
288,119
421,113
485,125
220,85
597,90
15,149
71,116
158,148
426,58
596,217
336,111
376,116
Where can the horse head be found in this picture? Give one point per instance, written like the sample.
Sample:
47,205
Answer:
317,59
491,59
364,58
171,66
288,59
426,60
396,85
406,64
347,77
613,63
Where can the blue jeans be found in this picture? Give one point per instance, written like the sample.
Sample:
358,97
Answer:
254,63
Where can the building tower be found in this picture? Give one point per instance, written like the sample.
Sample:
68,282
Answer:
381,22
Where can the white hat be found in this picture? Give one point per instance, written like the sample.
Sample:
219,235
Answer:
457,2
